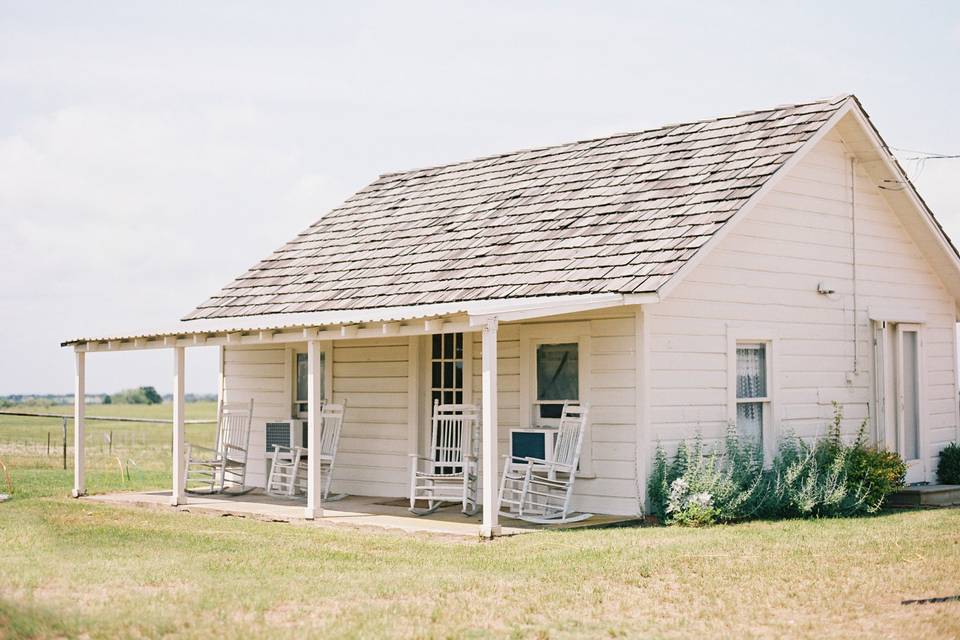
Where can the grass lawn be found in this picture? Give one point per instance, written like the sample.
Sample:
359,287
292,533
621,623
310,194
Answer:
70,568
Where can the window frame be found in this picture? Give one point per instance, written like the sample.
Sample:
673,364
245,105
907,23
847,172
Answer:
531,337
769,431
326,351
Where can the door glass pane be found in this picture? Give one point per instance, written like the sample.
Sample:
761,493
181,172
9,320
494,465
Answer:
750,420
751,371
446,367
911,400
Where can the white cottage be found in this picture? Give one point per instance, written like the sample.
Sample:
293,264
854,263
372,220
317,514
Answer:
644,273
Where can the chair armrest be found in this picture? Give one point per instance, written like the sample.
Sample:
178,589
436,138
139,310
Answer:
553,466
233,446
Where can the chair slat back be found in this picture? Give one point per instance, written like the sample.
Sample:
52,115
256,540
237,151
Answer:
234,426
573,424
453,435
331,417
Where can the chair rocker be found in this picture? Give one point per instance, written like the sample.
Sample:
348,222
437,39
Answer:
449,473
289,468
223,468
541,491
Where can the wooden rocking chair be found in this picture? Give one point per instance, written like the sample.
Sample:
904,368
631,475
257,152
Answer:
222,469
449,474
540,491
288,471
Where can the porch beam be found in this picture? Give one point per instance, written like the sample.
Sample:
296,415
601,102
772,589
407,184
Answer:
177,496
278,336
79,413
490,526
314,480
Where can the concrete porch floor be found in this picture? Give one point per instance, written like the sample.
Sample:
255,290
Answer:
352,511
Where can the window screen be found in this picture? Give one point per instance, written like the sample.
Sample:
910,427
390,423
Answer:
558,377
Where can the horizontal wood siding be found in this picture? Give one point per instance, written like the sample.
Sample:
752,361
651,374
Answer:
371,377
612,396
765,274
258,373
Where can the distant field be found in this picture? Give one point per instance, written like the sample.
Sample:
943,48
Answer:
143,448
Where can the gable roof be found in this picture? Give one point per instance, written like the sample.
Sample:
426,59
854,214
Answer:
620,214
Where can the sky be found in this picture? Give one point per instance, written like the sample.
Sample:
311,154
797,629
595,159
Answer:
152,152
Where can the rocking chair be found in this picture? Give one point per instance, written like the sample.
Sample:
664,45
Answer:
222,469
540,491
449,474
288,471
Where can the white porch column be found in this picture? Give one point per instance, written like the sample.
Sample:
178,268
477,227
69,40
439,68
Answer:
79,411
314,481
490,526
177,497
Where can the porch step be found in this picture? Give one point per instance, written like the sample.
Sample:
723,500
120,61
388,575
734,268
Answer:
930,495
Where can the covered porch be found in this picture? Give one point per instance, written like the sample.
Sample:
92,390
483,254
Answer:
317,334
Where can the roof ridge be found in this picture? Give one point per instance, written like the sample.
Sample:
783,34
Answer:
836,99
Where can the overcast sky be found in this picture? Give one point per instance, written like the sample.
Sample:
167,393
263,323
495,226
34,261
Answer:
150,152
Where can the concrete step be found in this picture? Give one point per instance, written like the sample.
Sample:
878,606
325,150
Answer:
929,495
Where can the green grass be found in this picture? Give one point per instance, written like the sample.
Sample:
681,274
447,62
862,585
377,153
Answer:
71,568
23,440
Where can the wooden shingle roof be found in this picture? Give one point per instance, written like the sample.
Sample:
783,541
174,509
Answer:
619,214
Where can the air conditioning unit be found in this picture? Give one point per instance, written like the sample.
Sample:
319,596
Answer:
286,433
532,443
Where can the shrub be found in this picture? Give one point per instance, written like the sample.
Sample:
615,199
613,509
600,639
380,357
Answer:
825,479
948,469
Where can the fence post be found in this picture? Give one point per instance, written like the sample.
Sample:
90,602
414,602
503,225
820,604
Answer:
64,444
110,444
48,444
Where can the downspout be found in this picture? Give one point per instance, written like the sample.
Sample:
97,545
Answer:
853,221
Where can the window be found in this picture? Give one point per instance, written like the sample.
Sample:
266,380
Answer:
558,378
446,368
300,383
910,443
753,397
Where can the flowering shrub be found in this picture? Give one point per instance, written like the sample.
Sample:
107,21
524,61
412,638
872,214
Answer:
729,483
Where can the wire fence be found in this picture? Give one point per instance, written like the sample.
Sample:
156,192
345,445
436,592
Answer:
45,440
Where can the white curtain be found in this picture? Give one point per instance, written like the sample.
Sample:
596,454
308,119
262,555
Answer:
751,383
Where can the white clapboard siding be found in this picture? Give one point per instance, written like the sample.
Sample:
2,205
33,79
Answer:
612,395
765,274
371,377
259,373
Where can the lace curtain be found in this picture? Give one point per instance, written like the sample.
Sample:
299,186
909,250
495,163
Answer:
751,383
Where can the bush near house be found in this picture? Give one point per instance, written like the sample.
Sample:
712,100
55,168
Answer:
948,469
729,482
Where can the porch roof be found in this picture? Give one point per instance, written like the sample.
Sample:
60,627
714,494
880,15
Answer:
357,323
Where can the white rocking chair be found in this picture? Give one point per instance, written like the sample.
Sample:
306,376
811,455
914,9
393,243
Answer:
540,491
288,471
222,469
449,474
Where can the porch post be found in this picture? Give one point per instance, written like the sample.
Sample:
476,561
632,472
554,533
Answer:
314,481
177,497
490,526
79,411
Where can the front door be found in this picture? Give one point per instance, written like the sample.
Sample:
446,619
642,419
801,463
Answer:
900,399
